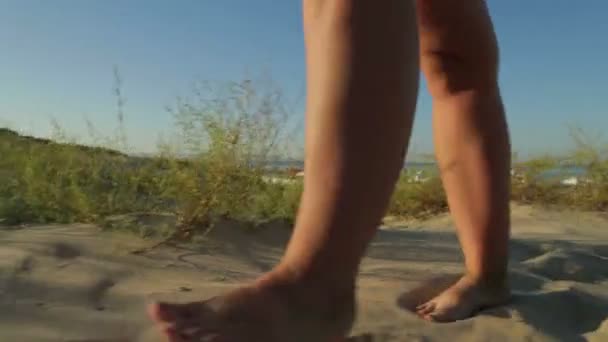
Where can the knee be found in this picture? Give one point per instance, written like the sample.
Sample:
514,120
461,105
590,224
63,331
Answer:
458,46
450,72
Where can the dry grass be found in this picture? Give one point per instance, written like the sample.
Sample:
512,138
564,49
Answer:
230,136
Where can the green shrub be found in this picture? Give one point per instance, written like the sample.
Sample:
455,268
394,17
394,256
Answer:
418,200
591,191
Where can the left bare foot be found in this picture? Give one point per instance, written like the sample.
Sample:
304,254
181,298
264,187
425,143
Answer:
268,311
463,300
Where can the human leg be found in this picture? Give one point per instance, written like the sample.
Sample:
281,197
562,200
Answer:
459,57
362,79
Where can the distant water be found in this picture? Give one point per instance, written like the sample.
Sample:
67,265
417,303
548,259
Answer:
559,172
287,164
299,164
562,172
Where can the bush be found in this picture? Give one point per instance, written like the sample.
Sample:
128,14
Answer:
533,182
230,135
233,136
51,182
418,200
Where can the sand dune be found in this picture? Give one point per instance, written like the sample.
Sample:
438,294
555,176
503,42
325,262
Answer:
73,283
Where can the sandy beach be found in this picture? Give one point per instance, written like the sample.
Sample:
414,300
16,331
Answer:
75,283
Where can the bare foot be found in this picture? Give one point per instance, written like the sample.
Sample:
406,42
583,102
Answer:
463,300
268,311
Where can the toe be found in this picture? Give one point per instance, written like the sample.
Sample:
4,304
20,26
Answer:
439,317
177,334
161,312
422,306
173,335
428,318
452,314
426,309
170,313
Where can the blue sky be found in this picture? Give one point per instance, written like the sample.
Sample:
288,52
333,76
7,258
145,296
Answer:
57,57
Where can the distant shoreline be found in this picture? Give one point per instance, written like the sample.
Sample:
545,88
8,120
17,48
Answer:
299,164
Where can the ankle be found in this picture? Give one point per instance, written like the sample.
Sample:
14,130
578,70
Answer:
329,304
488,280
328,284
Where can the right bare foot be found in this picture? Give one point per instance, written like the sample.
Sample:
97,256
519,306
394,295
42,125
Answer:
271,310
463,299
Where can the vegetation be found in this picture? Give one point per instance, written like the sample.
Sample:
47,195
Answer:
535,181
228,139
219,168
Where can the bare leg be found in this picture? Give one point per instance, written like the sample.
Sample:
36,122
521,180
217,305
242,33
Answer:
459,57
362,59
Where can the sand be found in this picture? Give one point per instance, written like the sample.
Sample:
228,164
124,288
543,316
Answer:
74,283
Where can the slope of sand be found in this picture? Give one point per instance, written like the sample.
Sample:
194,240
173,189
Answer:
73,283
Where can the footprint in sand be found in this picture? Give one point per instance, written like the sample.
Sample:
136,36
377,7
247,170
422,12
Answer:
601,251
25,265
524,250
573,312
574,265
62,250
98,291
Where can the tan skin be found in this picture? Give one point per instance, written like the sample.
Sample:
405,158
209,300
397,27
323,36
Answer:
363,61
